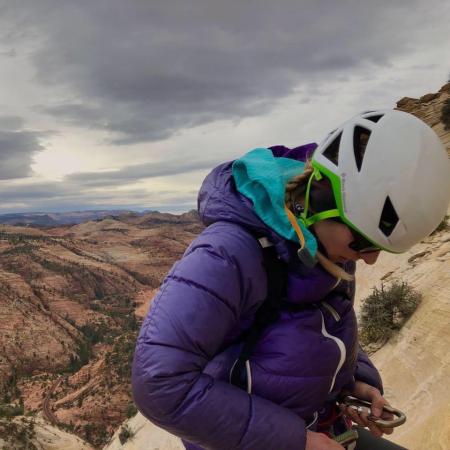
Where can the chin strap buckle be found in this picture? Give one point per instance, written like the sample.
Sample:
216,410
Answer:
306,258
304,255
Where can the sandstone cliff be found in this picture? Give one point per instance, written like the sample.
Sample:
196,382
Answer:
428,108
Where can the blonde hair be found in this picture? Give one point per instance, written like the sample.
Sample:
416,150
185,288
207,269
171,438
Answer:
295,188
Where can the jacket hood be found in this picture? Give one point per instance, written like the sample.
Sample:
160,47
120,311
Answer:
262,177
220,200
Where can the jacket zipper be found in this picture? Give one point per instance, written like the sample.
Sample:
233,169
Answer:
332,311
341,347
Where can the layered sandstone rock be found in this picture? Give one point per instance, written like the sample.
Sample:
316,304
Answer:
63,287
429,108
415,363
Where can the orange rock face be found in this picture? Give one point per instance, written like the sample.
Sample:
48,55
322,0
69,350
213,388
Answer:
71,300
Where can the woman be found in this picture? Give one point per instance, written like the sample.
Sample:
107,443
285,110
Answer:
379,182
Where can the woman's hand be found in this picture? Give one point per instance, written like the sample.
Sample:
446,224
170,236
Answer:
364,391
319,441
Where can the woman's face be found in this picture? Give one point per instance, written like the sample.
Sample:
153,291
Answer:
336,237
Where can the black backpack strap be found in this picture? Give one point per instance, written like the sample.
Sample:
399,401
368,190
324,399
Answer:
266,314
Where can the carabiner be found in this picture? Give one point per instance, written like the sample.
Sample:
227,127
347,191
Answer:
356,403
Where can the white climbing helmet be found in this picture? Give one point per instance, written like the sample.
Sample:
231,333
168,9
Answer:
390,175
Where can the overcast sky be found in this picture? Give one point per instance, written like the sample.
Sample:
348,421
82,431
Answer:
113,104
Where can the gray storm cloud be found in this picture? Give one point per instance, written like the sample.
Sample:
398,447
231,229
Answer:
17,147
144,70
137,172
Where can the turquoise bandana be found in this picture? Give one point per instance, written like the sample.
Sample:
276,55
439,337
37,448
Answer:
262,178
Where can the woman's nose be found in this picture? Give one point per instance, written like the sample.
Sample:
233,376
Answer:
370,257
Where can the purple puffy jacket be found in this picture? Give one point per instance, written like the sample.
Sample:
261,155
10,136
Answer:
190,337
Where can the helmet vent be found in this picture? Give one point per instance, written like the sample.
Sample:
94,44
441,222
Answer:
332,151
389,218
375,118
360,138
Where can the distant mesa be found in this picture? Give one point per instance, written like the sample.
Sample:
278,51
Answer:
44,219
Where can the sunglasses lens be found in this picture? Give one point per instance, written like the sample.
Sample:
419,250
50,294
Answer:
361,244
371,249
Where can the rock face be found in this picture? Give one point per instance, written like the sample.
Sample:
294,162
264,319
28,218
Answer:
71,299
428,108
415,363
36,434
143,435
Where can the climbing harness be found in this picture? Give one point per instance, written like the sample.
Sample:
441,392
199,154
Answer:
347,438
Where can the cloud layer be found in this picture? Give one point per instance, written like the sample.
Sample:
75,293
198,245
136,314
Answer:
144,70
17,147
124,80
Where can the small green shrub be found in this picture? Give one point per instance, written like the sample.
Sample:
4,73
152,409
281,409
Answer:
11,410
18,435
445,114
386,310
443,226
125,434
131,410
84,353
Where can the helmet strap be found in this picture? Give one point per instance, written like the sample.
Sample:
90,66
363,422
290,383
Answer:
331,213
308,221
317,175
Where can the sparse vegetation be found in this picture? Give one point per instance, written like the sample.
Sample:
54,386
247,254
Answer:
18,238
386,310
443,226
445,114
7,410
131,410
120,358
125,434
10,389
61,268
18,433
24,248
92,334
123,337
97,434
95,332
84,353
